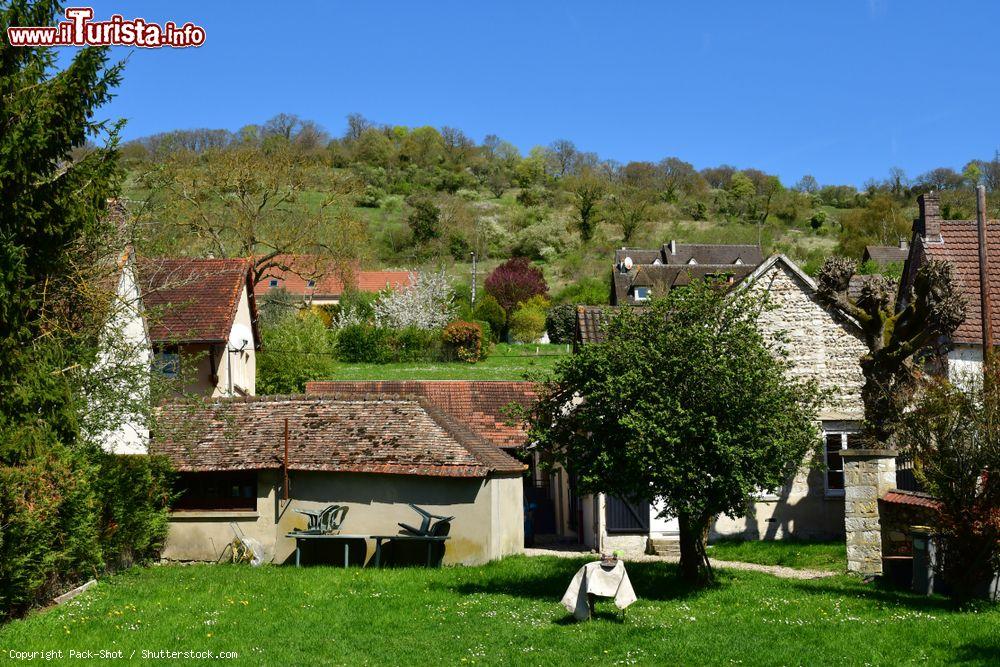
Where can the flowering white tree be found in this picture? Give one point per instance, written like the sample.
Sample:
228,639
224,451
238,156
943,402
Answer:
425,304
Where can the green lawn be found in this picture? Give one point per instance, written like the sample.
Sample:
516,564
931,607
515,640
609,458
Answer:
789,553
507,362
505,612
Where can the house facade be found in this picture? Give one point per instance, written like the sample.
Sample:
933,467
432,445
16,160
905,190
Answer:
124,358
820,344
372,453
203,326
318,281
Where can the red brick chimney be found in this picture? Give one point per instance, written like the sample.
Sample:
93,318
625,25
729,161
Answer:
928,225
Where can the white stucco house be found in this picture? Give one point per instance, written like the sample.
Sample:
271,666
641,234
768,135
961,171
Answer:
123,361
821,344
203,323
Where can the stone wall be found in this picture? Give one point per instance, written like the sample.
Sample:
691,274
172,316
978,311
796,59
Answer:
820,344
868,475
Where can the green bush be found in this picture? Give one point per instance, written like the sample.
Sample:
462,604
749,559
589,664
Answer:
67,517
135,493
527,323
489,310
464,340
364,343
48,511
297,348
560,323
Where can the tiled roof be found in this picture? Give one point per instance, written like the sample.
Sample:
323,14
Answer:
886,254
960,247
678,264
590,323
326,279
914,498
361,433
482,406
193,300
701,253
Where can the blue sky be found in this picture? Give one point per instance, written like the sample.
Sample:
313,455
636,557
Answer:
843,90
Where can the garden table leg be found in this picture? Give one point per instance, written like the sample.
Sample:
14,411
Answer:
346,545
429,543
298,551
378,551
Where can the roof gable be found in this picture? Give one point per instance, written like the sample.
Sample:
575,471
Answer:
192,300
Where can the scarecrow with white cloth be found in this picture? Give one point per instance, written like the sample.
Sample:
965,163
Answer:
606,578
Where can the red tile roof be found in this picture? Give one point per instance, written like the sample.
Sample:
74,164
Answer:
388,434
193,300
482,406
303,269
960,247
914,498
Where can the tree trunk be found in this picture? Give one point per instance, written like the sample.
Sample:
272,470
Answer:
695,567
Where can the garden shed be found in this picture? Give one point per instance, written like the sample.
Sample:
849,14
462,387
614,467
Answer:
373,453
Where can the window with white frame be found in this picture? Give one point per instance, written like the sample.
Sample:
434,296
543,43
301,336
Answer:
834,441
273,282
641,293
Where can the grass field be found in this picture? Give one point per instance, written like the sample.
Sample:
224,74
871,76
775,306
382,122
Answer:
830,556
506,362
505,612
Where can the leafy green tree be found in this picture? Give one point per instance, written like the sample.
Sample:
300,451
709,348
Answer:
684,403
630,209
953,435
424,218
587,189
52,225
882,221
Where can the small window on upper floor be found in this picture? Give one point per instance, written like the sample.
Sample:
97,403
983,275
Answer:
641,293
273,282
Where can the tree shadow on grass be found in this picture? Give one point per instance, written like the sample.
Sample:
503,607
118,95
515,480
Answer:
984,651
879,591
651,581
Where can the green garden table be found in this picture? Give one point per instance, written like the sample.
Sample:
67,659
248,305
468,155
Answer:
431,540
344,537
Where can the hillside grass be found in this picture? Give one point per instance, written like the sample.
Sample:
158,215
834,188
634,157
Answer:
506,612
506,362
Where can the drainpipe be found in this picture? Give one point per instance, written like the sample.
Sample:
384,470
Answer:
986,309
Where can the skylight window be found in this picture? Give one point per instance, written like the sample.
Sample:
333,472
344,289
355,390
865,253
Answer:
641,293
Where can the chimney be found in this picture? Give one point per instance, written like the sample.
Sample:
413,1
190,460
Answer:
984,273
928,224
673,247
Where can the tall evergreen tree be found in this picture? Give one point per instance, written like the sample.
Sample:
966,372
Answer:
53,199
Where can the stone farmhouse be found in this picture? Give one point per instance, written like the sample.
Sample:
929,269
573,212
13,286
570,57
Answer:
820,343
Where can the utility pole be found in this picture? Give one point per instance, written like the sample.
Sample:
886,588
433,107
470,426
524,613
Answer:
986,310
473,299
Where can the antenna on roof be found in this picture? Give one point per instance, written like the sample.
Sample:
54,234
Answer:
627,263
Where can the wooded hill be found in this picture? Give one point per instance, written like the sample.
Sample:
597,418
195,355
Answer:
424,197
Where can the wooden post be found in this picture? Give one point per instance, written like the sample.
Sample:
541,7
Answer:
986,309
284,487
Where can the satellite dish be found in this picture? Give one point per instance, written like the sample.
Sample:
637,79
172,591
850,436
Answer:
240,336
628,263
